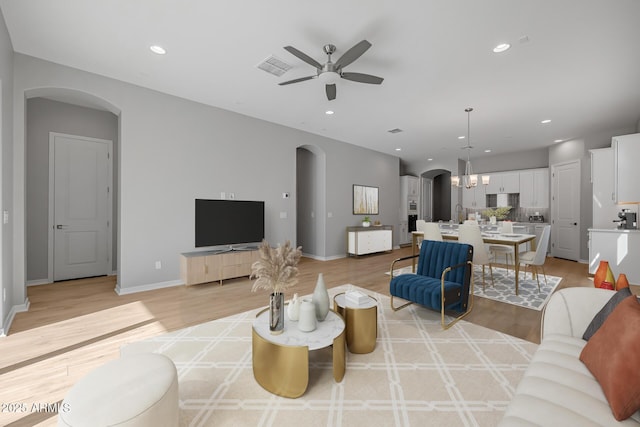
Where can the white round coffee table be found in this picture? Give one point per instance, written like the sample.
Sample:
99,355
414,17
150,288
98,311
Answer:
281,362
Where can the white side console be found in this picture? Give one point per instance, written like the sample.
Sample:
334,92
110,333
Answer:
367,240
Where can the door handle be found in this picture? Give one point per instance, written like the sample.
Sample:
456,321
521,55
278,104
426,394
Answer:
61,226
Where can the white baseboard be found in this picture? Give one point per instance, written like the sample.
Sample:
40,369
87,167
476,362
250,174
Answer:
38,282
12,313
321,258
150,287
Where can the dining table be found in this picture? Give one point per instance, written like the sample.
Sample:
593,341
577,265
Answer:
489,237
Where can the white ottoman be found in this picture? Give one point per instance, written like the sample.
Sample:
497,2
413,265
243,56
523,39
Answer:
136,390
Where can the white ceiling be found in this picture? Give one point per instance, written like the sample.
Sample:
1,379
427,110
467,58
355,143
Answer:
579,65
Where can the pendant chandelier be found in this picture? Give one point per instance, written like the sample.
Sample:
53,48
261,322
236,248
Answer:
469,179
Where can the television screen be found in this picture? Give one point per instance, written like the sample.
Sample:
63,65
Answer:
228,222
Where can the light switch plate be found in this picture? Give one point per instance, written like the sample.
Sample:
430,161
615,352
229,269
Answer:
5,217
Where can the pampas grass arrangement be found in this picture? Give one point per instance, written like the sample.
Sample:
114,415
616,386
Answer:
276,270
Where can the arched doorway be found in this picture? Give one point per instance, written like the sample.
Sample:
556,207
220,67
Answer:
435,195
84,120
311,201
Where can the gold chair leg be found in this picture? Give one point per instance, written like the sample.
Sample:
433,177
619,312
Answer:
400,307
545,275
491,271
537,278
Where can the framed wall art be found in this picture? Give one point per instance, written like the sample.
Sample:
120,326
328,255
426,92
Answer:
365,200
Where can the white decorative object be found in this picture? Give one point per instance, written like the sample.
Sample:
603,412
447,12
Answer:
321,299
293,309
356,297
307,316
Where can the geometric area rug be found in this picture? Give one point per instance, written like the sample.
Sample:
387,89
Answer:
417,375
503,289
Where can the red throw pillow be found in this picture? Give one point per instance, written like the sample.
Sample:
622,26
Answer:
611,356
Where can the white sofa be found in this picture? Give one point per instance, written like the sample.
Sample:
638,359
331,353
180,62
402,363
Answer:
557,389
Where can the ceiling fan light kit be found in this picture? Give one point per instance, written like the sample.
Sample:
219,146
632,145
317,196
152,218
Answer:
331,72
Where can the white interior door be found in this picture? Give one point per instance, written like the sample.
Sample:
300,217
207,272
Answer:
565,210
80,174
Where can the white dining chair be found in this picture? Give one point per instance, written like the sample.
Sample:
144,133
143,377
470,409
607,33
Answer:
537,258
470,234
431,231
506,250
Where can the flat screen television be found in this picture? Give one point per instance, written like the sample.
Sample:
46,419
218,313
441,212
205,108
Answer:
228,222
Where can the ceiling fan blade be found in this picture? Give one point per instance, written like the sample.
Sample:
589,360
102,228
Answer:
331,91
301,79
362,78
306,58
352,54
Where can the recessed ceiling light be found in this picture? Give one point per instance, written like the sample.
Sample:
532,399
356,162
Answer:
487,150
501,47
157,49
558,140
429,159
461,137
398,149
546,121
328,112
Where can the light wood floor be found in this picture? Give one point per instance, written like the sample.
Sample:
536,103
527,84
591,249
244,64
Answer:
73,327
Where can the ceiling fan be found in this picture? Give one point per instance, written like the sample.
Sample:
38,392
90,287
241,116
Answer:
331,72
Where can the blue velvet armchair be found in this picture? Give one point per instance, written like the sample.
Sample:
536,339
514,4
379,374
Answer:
443,280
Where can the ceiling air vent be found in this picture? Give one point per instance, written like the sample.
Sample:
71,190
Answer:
396,130
275,66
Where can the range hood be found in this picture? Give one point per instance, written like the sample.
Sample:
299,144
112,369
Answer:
503,199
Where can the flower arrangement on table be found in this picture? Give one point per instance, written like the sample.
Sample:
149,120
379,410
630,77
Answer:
500,213
276,270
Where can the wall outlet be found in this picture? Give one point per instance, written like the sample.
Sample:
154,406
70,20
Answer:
158,265
223,195
5,217
283,215
232,196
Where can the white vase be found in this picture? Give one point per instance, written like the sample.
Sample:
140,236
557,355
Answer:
321,299
293,309
307,318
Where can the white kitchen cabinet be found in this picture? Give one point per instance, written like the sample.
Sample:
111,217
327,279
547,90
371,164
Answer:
605,209
409,185
367,240
503,182
408,192
534,188
474,197
618,247
626,149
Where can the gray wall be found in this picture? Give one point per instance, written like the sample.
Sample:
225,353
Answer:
173,151
44,116
6,172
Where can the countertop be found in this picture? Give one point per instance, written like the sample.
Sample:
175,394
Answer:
613,230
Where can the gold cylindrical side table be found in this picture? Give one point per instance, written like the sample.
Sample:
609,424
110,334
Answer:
361,323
